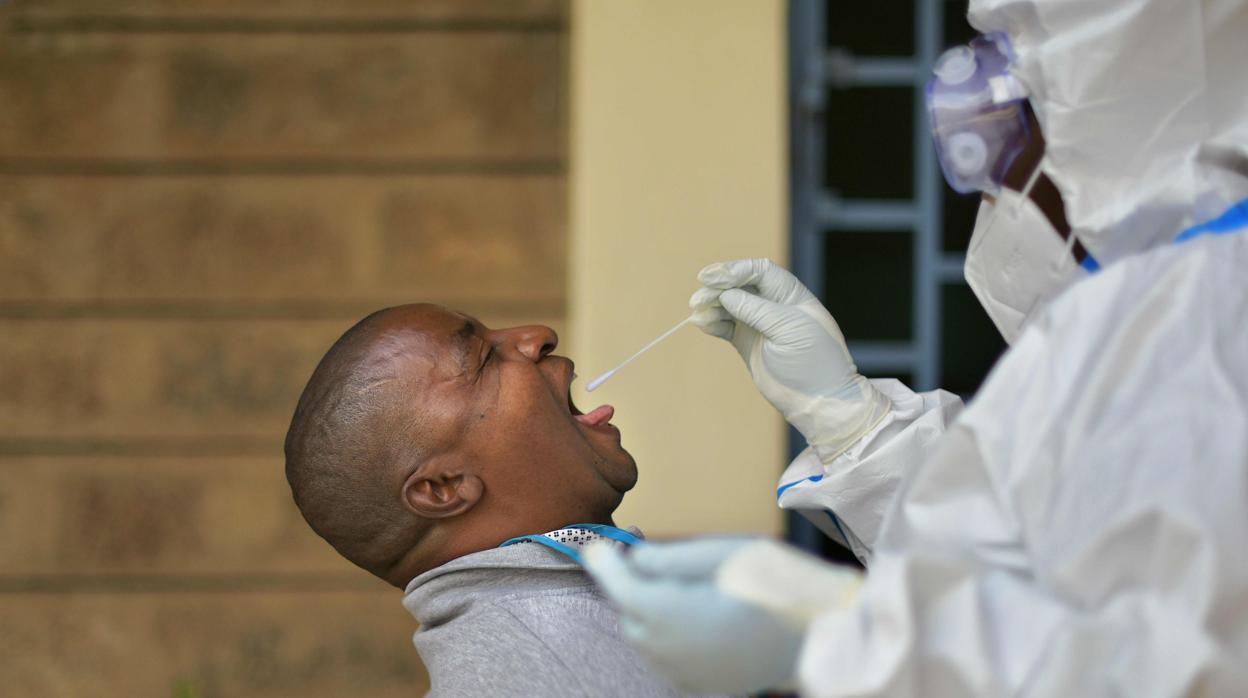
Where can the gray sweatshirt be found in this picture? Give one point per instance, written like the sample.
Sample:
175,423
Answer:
522,621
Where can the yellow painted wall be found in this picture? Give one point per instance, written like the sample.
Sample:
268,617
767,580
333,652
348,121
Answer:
677,159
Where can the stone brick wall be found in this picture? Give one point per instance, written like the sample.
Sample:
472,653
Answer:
196,198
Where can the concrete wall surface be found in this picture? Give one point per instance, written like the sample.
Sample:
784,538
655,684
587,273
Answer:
196,198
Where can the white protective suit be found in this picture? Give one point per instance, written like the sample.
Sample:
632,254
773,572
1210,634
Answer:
1082,527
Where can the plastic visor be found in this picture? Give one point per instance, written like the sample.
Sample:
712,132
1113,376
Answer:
975,108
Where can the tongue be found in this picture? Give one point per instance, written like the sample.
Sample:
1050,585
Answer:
597,417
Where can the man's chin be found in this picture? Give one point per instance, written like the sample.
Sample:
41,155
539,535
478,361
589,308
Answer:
619,470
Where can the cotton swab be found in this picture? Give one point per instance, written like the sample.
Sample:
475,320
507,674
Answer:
593,385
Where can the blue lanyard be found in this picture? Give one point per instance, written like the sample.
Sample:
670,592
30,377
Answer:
601,529
1232,219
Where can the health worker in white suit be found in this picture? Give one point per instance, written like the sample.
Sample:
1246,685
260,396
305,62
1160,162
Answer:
1081,527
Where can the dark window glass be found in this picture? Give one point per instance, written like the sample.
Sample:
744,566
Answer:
957,30
870,142
869,284
905,378
971,343
883,28
958,219
834,552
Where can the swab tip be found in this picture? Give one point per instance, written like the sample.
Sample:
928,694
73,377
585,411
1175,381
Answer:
593,385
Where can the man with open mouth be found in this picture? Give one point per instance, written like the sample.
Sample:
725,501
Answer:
448,459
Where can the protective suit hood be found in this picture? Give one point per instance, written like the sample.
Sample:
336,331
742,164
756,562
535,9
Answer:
1144,108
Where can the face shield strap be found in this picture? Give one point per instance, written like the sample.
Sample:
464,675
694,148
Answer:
1073,248
1069,250
1011,209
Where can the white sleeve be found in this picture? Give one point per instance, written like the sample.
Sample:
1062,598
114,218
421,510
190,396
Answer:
847,498
1080,531
932,626
963,615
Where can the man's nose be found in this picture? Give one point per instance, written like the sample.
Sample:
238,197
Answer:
533,341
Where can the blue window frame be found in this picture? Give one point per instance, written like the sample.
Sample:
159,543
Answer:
875,232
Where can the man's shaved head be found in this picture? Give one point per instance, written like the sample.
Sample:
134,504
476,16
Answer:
348,440
424,435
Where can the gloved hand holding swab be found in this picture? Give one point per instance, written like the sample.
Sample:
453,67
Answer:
603,377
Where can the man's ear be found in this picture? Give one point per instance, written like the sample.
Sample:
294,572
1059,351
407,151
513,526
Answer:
435,492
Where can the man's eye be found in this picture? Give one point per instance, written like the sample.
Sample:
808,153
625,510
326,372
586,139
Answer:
489,356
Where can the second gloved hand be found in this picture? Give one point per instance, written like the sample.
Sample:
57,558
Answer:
719,614
793,348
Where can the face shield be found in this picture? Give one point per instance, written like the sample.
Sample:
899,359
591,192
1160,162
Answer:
1143,107
1144,115
1017,260
975,108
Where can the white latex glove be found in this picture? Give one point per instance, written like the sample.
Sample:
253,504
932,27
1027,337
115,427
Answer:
793,348
719,614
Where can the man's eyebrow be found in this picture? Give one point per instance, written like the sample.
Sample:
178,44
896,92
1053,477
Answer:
466,331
